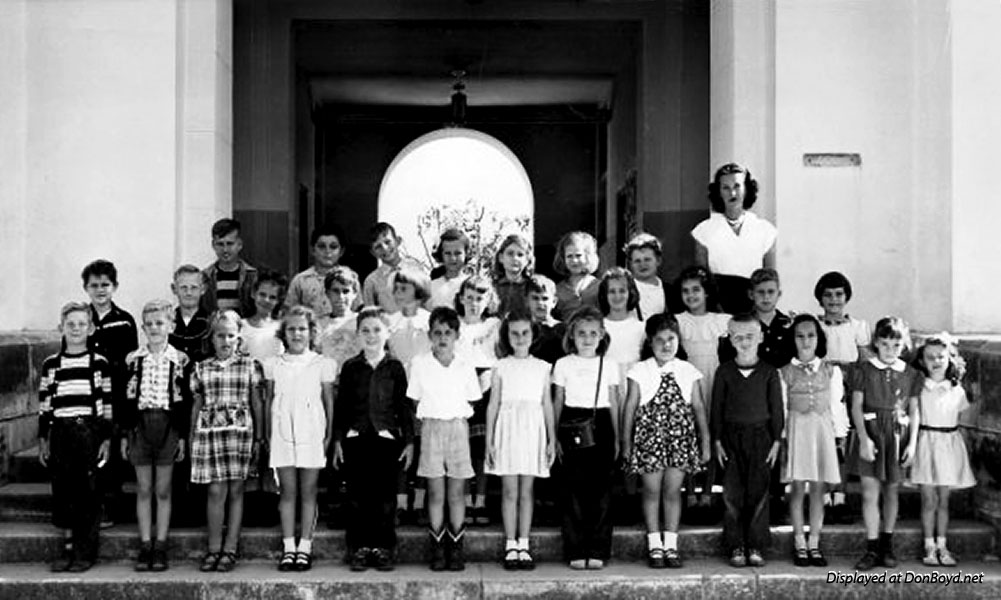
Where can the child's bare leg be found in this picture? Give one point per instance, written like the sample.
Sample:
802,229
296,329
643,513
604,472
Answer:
436,503
796,511
671,496
164,480
307,501
929,510
287,484
235,520
215,511
651,500
144,501
509,505
871,488
816,512
526,504
890,505
456,506
942,514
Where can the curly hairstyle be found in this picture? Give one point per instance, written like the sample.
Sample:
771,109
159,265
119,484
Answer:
957,365
705,278
750,187
294,312
452,234
621,274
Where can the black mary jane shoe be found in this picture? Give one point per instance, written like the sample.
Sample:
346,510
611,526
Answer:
287,562
672,560
801,558
303,561
817,558
511,560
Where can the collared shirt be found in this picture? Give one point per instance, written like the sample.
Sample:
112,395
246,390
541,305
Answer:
815,386
883,386
246,277
373,398
307,289
192,337
647,376
731,253
74,385
443,392
152,390
115,335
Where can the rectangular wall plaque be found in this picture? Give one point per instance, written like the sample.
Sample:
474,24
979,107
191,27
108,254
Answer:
832,159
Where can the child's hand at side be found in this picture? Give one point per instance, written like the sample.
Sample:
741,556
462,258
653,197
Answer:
551,452
43,451
103,453
721,456
491,457
867,450
773,453
179,455
908,457
707,453
407,456
338,458
124,449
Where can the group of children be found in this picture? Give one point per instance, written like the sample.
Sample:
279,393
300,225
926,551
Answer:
446,379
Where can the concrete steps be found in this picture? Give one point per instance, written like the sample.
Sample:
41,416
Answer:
38,543
699,579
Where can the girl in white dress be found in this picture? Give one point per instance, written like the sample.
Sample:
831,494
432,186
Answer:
259,331
941,462
453,253
618,299
520,439
300,421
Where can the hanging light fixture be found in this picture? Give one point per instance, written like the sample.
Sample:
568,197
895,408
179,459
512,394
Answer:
458,99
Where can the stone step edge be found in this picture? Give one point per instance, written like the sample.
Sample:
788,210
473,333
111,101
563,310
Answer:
703,579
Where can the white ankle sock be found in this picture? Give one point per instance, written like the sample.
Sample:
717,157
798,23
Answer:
401,501
929,543
670,540
288,544
838,498
306,546
510,545
523,543
654,541
940,542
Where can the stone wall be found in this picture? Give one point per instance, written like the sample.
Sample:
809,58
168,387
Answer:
21,356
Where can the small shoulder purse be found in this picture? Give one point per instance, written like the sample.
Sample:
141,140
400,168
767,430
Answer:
578,433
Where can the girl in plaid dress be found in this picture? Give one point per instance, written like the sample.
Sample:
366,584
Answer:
666,434
226,432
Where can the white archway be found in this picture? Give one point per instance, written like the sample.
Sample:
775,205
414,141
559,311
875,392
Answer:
455,176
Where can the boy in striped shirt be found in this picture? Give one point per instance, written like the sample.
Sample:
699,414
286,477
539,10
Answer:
74,430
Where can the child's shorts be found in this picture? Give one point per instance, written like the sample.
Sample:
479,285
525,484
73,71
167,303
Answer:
445,449
153,441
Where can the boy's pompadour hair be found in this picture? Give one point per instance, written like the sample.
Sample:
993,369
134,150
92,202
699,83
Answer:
325,230
343,275
99,268
372,312
188,269
72,307
541,284
224,227
381,228
157,306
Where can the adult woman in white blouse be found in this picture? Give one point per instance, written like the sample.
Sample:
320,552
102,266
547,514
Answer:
733,241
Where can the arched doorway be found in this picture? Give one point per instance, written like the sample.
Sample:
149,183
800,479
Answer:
456,177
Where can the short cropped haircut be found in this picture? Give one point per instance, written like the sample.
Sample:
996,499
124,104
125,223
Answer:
379,229
344,276
480,284
664,321
504,347
298,311
157,306
891,328
541,284
763,275
705,278
750,187
643,241
497,269
582,314
372,312
821,351
325,230
452,234
623,275
583,240
72,307
189,269
417,278
224,227
832,281
744,318
444,315
99,268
